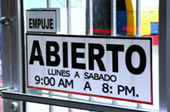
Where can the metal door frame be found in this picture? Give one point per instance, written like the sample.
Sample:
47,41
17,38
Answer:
164,56
12,50
13,63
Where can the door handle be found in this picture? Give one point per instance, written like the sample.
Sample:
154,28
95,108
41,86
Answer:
4,88
5,21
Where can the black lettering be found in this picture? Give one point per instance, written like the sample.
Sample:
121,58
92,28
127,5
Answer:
39,22
106,77
65,83
47,23
51,24
69,83
113,78
65,54
76,75
43,24
129,91
61,83
30,23
34,57
35,23
76,55
53,54
98,57
142,55
56,72
51,72
120,89
87,86
86,75
115,49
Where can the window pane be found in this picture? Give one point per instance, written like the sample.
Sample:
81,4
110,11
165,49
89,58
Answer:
61,4
35,4
78,15
102,25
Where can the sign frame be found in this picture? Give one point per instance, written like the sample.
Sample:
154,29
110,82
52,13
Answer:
93,95
57,19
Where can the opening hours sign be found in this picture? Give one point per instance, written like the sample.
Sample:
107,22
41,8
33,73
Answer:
118,68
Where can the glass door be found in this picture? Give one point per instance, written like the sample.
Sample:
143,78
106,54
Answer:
79,18
102,18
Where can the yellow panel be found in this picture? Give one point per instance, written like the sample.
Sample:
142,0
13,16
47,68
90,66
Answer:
129,5
146,18
148,15
131,24
131,18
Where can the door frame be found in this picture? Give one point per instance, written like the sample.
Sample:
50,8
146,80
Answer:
13,50
13,55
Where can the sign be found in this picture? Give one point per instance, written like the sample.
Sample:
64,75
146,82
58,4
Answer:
43,20
113,68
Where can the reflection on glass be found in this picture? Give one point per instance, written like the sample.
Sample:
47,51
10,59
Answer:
58,3
78,17
61,4
35,4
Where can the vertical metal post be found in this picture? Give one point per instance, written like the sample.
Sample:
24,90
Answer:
113,21
138,17
90,32
50,106
68,17
113,16
164,56
89,17
70,96
89,23
138,26
48,3
50,93
69,32
12,40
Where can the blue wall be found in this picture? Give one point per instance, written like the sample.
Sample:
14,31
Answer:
121,23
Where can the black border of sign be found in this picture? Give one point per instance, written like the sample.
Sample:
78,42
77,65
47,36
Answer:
84,36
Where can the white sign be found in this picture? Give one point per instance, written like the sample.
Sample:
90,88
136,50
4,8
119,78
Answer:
113,68
42,20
